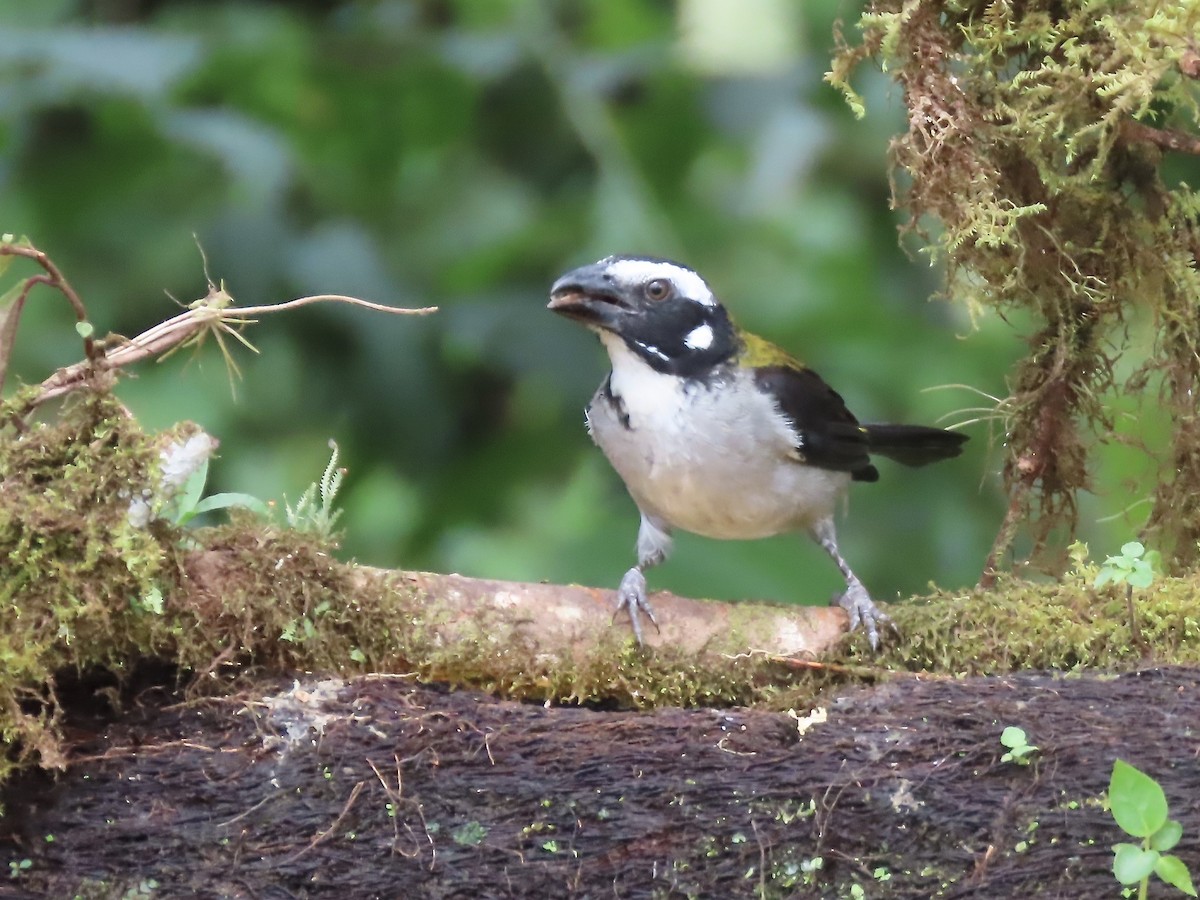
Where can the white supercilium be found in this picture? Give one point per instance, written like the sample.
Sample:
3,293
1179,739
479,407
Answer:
635,272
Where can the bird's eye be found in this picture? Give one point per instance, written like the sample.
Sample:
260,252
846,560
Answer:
658,289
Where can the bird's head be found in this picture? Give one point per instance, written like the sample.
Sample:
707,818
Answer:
661,310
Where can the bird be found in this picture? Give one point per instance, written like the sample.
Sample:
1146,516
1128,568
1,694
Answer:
718,432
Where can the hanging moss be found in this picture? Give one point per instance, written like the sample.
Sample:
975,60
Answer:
1033,168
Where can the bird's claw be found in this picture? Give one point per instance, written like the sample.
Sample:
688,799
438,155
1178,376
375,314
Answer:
862,611
631,596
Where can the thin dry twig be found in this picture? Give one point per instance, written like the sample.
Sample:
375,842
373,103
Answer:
792,662
395,797
53,278
213,313
128,751
265,800
332,825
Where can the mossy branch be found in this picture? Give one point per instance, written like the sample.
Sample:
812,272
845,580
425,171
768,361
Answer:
1166,138
1036,135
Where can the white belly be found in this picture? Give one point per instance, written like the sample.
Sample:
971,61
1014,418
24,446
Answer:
706,461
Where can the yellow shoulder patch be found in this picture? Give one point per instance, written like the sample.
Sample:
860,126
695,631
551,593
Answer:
756,353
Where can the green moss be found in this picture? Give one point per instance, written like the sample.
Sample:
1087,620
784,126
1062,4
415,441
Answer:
1027,625
72,568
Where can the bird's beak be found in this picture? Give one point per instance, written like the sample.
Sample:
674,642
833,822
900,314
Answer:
588,295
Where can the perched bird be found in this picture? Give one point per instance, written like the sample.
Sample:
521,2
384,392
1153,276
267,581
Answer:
717,431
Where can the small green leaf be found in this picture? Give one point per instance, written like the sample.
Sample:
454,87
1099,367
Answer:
85,329
1166,837
1013,737
1132,550
1103,577
152,601
231,499
1131,863
182,507
1137,802
1172,870
11,303
8,300
469,834
1141,575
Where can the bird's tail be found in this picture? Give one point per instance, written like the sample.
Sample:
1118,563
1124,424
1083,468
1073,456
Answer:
914,445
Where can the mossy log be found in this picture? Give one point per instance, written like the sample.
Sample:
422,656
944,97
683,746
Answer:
360,779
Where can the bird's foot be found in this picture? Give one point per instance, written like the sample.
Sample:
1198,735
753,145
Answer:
863,611
631,596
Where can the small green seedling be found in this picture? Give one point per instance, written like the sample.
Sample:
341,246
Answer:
1134,568
1019,748
318,516
1139,806
189,502
469,834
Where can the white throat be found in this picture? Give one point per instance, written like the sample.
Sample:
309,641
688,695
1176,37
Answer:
644,391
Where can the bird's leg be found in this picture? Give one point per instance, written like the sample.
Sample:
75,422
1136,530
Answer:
653,545
856,601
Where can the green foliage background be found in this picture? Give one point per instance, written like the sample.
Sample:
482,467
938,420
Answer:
464,154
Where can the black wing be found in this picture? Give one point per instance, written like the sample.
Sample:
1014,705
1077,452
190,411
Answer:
828,435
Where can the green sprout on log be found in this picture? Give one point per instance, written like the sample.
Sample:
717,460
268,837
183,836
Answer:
314,512
1019,748
1139,806
1134,567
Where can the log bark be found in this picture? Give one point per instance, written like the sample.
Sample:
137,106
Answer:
382,787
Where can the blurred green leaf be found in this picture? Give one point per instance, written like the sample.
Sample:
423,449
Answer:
1166,837
1172,870
231,500
1137,802
12,301
1131,863
64,61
